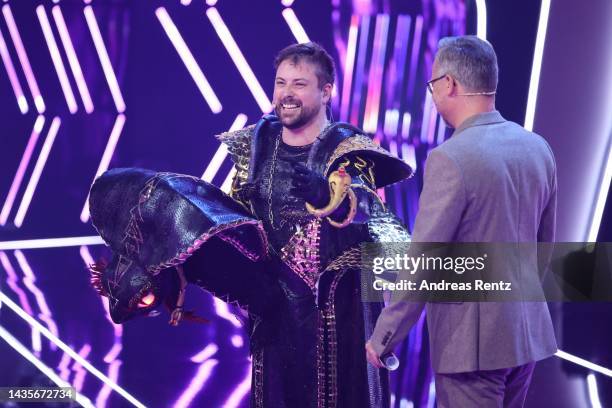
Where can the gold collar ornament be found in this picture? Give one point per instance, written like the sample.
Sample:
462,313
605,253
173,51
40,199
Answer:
339,187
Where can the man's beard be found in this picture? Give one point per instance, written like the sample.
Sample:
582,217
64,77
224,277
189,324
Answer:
305,116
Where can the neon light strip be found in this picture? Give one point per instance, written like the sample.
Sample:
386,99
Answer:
187,57
223,311
239,392
38,168
416,48
21,169
23,59
113,374
398,63
227,183
21,349
348,68
600,203
106,158
295,26
205,354
79,377
221,153
287,3
593,392
73,60
584,363
12,74
243,67
360,67
29,281
196,384
406,120
63,367
51,243
56,58
34,323
185,2
481,19
376,74
12,280
536,66
107,67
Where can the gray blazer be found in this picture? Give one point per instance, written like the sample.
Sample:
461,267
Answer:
492,181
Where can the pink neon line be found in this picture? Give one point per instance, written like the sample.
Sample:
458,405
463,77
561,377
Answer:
223,311
79,377
185,2
12,74
239,392
287,3
398,64
73,60
107,67
348,68
188,59
196,384
211,2
12,281
236,55
63,367
360,67
38,168
113,375
376,73
56,58
227,183
416,47
221,153
23,59
205,354
106,158
237,341
295,26
21,169
29,280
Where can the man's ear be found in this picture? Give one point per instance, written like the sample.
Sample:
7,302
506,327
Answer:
327,93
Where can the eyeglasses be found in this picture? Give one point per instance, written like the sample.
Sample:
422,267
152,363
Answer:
430,88
430,83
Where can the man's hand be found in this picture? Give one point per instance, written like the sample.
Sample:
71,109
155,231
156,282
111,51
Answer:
372,356
309,186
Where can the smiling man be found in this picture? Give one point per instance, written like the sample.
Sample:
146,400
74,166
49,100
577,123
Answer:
307,352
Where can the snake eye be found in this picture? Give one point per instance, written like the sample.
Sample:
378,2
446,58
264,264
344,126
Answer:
147,300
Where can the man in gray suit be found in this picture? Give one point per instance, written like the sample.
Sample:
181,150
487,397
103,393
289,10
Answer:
492,181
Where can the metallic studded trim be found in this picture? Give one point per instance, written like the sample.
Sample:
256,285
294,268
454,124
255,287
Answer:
351,258
238,144
258,366
181,257
301,253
